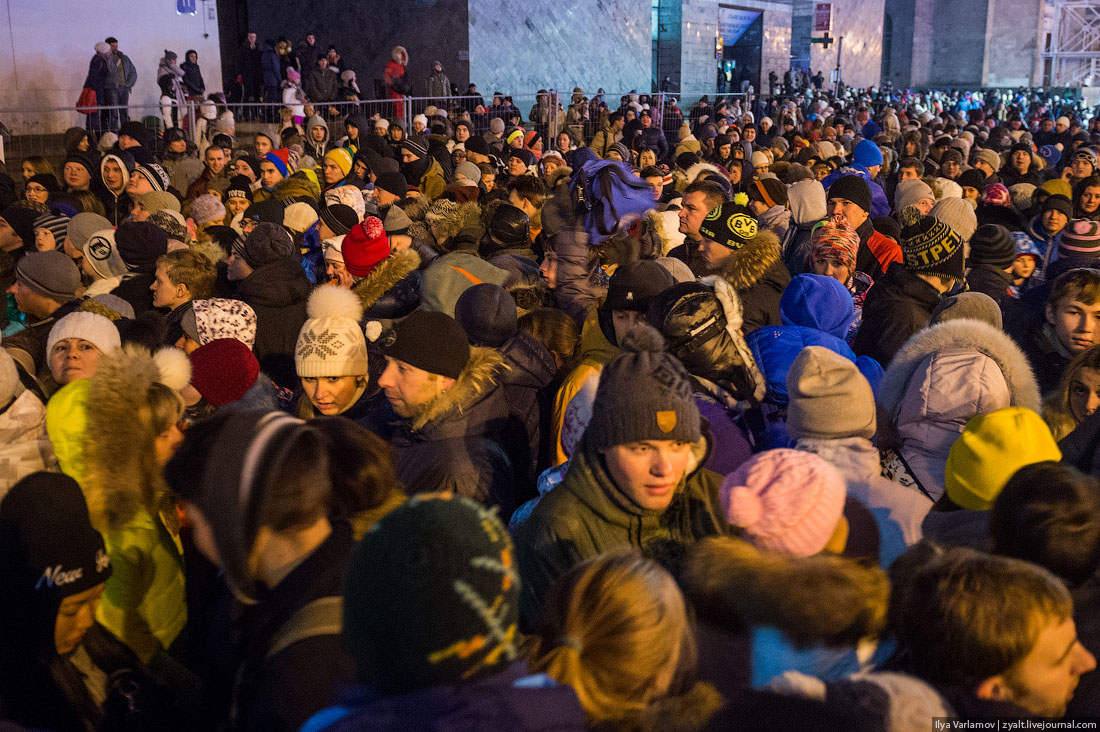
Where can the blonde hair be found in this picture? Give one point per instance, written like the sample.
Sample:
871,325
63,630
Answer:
1056,410
611,628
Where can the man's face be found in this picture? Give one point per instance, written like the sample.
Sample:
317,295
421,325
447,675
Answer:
489,180
1021,160
1081,167
384,197
462,133
9,240
548,268
75,616
647,121
713,253
1076,324
251,38
618,124
407,156
332,172
950,169
114,47
263,145
516,167
521,203
407,387
216,160
165,293
1054,221
139,212
269,174
692,213
657,183
138,184
310,39
750,134
236,268
112,175
850,212
908,174
30,302
317,132
77,177
1044,681
1060,127
624,321
44,240
242,168
649,471
331,395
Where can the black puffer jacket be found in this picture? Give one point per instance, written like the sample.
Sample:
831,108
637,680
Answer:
392,290
277,292
530,368
897,306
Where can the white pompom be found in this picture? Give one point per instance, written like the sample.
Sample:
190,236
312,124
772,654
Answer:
330,301
373,330
174,368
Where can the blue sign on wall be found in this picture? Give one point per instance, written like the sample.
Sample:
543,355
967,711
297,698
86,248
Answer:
733,22
185,7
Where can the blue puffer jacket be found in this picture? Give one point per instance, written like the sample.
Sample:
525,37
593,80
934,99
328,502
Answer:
816,311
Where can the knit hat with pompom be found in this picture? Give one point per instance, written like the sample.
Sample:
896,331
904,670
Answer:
331,342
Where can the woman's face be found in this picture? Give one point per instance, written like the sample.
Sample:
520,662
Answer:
72,359
331,395
647,158
1084,393
166,443
832,266
36,193
564,142
193,57
28,171
236,204
396,133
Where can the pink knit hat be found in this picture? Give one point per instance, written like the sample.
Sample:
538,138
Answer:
787,501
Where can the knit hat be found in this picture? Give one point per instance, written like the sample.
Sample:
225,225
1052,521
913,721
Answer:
239,187
1050,155
280,158
56,225
623,150
267,243
841,241
140,244
729,224
1080,238
989,157
157,176
909,192
786,501
829,398
393,183
969,306
477,144
223,370
102,256
993,245
91,327
84,159
338,217
991,448
341,157
644,394
432,595
21,219
469,171
1087,153
415,146
1058,202
957,214
759,159
770,191
488,315
929,246
972,178
299,216
996,195
215,318
49,547
50,274
154,201
431,341
496,126
331,341
852,188
83,225
397,221
867,154
206,209
365,246
528,157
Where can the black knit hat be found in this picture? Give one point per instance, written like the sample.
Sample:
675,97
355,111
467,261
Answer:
488,315
267,243
769,191
432,595
644,394
49,547
992,245
393,182
239,187
136,130
477,144
431,341
930,246
852,188
21,219
415,146
1058,202
266,212
157,176
140,244
730,224
972,178
523,154
83,158
339,217
634,284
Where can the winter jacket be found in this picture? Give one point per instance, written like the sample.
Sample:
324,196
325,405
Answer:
182,169
192,79
587,515
529,368
877,252
448,276
271,67
989,280
777,219
812,315
652,138
280,692
938,381
322,85
277,291
207,181
759,276
134,289
438,85
1047,244
454,441
602,140
509,700
899,305
432,184
392,290
897,510
24,445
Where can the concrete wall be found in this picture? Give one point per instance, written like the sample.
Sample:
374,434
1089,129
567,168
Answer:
45,47
1015,29
959,43
860,23
698,67
524,46
775,54
365,34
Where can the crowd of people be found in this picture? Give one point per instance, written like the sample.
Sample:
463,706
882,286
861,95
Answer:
786,420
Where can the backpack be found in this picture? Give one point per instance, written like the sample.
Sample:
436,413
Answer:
604,192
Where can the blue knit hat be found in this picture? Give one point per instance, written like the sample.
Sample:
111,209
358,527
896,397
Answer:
867,154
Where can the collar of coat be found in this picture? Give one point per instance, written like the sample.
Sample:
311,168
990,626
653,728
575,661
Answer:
477,379
747,265
385,275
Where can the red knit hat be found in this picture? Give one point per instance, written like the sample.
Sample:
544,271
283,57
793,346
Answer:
365,246
223,370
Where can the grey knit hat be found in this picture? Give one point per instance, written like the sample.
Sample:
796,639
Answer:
101,253
83,225
644,394
829,397
51,274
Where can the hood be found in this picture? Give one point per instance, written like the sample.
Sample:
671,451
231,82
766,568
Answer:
476,381
360,122
807,202
562,173
700,169
750,263
666,225
315,121
278,284
531,365
855,457
124,161
385,275
466,218
816,301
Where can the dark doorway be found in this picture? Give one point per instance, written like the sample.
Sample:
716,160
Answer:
742,32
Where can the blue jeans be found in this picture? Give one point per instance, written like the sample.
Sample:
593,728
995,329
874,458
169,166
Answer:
113,119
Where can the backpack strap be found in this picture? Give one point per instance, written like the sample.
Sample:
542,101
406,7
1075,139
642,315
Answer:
467,275
323,616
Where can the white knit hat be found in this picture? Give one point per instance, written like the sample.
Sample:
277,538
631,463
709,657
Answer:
91,327
332,250
207,208
331,343
299,216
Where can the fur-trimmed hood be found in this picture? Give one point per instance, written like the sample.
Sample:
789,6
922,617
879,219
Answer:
747,265
465,217
385,275
562,173
699,169
477,380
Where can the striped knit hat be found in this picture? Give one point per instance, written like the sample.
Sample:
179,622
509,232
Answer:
1080,238
786,501
930,246
836,240
56,225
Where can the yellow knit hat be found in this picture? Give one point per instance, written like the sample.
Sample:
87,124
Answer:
990,450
